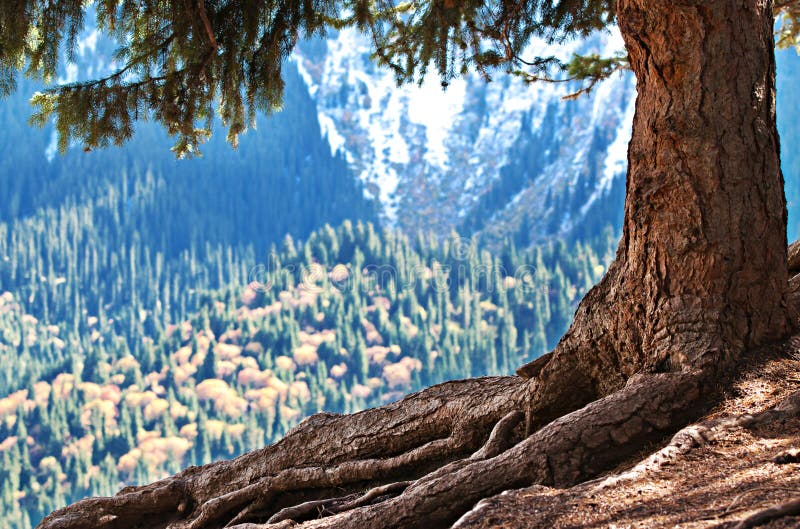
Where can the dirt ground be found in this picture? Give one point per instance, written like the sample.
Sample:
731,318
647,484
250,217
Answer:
717,484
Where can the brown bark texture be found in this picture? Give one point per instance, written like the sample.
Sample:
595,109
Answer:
701,269
700,276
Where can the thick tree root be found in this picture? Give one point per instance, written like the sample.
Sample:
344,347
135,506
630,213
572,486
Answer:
321,508
393,443
501,438
153,505
790,508
567,451
262,494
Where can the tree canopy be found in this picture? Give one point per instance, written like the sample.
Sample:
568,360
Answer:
180,62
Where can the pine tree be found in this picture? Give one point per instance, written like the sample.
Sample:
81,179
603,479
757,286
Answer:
678,307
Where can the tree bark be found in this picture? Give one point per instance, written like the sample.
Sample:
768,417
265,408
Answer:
701,271
701,275
325,455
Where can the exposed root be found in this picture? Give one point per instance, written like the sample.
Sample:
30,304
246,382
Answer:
286,524
309,510
790,508
682,443
567,451
404,439
324,508
156,505
262,494
501,437
376,493
698,435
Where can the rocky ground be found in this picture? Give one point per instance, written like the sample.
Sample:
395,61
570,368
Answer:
743,459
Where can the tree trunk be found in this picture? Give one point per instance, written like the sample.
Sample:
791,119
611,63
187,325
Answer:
701,275
701,270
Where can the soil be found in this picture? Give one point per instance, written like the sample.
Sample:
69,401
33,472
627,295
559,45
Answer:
740,471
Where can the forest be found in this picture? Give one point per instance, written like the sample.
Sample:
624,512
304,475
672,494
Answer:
135,346
123,367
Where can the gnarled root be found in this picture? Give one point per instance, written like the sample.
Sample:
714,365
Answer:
790,508
261,495
569,450
502,437
325,454
426,486
164,502
321,508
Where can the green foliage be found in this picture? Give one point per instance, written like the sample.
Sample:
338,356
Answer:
787,16
121,374
182,62
177,58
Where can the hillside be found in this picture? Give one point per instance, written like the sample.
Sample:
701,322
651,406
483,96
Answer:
252,196
125,376
126,316
503,159
496,159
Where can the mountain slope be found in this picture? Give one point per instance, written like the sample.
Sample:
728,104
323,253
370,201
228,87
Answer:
496,158
118,375
253,195
502,159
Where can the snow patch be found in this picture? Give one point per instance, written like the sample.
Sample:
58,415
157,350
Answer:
71,74
88,43
430,153
328,128
436,109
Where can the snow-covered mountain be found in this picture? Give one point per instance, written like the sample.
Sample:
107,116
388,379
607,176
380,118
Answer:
495,159
498,158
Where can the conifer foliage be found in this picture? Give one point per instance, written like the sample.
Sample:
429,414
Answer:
179,58
120,375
